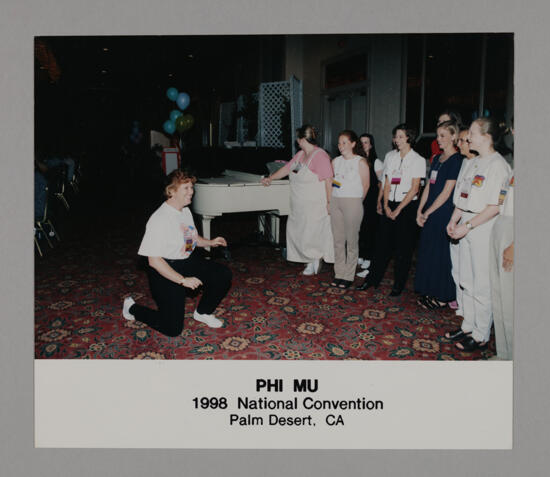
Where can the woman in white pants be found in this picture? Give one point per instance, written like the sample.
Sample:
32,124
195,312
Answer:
349,188
464,148
476,207
502,278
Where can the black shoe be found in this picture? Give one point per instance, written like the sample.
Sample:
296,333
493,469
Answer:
395,292
336,282
456,335
364,286
469,344
345,284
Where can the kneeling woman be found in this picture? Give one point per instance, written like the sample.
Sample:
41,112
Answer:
169,240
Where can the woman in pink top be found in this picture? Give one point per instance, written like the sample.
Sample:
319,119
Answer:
308,232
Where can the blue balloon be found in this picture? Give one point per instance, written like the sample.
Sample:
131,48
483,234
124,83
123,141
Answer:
175,114
172,94
169,126
183,100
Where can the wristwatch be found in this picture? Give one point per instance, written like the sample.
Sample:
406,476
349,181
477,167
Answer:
469,225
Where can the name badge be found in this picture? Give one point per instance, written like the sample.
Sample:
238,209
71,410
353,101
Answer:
433,176
502,196
465,189
396,177
297,167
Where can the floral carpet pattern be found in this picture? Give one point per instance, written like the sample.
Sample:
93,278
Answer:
271,312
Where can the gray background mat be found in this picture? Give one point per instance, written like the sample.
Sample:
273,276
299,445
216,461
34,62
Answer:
21,21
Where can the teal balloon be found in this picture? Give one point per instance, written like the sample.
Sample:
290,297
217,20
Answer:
172,94
169,126
175,114
183,101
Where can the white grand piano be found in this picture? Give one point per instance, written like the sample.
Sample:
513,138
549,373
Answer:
240,192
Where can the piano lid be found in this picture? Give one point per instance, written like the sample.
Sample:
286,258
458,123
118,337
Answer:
238,178
211,162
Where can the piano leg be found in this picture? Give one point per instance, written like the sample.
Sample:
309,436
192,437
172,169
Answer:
275,228
269,229
206,219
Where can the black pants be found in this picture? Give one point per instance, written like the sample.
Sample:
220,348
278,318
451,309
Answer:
395,237
170,297
368,231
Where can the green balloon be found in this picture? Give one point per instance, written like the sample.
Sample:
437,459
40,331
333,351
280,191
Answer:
181,123
188,121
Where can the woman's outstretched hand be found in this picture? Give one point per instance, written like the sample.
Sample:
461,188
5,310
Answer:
217,242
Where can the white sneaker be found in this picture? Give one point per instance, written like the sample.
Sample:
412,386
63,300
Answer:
363,274
365,264
209,320
360,261
309,269
128,302
316,266
312,268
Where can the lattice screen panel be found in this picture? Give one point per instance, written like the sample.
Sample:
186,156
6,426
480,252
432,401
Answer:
295,108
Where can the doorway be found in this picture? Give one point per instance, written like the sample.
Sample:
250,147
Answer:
346,109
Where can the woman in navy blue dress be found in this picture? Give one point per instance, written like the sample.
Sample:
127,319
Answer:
433,279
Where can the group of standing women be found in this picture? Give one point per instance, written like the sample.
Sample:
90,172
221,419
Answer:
360,211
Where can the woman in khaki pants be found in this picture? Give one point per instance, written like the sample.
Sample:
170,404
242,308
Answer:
349,187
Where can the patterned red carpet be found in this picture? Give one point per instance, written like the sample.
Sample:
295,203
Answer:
272,311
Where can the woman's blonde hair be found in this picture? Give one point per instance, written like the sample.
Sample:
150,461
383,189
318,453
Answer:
452,127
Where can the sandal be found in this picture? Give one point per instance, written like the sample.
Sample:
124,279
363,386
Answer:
345,284
422,302
434,304
457,334
469,344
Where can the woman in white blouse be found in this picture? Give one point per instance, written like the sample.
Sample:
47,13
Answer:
349,187
169,241
403,170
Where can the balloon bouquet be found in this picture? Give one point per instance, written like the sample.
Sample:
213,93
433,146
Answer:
178,121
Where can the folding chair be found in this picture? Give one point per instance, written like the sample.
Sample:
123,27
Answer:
43,222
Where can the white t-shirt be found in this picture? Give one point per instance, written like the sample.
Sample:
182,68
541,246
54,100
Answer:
379,169
401,172
169,233
506,198
481,180
347,181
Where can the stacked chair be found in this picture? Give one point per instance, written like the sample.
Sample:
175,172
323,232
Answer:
43,226
59,187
